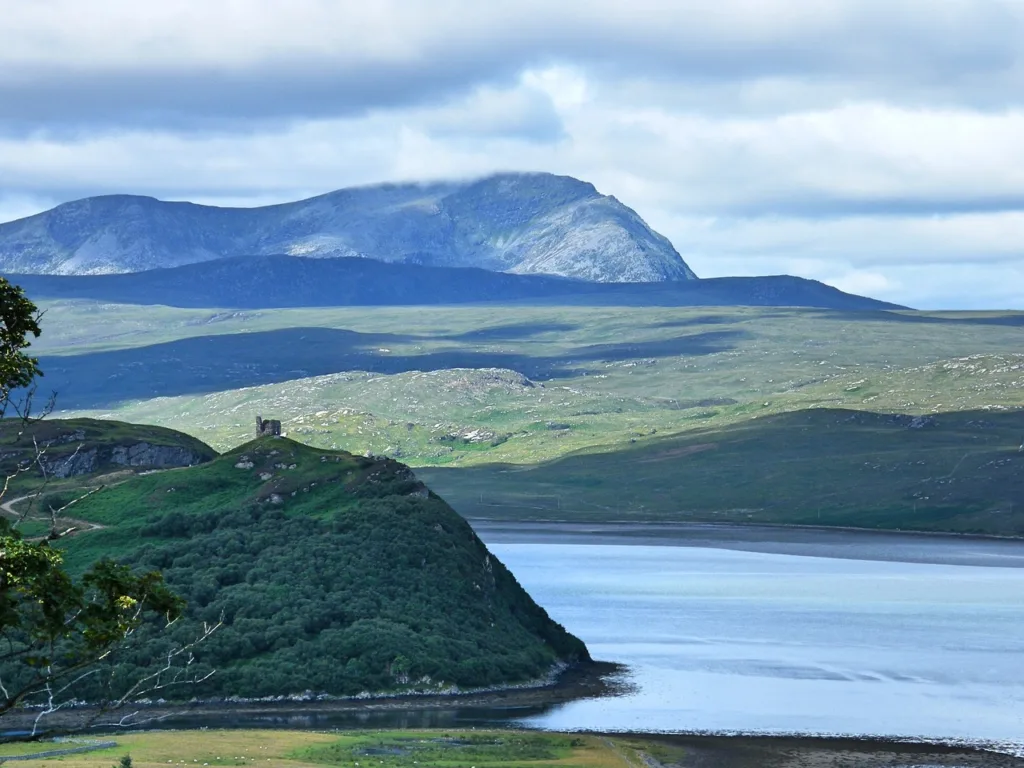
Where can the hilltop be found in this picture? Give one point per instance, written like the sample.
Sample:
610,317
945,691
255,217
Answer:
526,223
70,448
334,574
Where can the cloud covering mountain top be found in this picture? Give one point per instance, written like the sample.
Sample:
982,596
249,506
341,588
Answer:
874,145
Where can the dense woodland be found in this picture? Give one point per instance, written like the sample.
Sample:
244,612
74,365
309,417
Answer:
334,575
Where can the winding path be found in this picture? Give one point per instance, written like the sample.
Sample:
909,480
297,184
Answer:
75,525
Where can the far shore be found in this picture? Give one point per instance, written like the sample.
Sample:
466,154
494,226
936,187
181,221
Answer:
807,541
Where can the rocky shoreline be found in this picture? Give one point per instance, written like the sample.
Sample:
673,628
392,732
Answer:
579,681
795,751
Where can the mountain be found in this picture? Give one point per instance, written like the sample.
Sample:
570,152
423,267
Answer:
525,223
263,282
333,573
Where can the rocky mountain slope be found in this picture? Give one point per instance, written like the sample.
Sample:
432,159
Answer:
264,282
522,223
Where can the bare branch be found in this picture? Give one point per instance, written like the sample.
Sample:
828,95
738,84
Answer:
54,684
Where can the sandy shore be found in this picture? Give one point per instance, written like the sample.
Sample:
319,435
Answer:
844,543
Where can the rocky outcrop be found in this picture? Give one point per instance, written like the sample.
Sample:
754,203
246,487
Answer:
152,456
78,463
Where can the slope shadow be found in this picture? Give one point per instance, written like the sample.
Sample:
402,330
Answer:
512,331
1010,319
708,320
207,364
706,343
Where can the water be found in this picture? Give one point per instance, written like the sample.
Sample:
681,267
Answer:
743,630
725,640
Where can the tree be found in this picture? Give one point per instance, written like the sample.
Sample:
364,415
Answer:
56,630
18,370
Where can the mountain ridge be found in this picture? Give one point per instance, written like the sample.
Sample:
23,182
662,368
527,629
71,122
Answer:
525,223
263,282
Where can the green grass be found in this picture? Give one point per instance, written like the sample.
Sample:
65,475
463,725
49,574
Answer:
648,371
303,749
439,750
960,472
32,496
574,382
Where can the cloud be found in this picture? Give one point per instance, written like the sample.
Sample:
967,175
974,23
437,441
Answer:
18,206
197,62
875,145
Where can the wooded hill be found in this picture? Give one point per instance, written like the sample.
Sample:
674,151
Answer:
333,574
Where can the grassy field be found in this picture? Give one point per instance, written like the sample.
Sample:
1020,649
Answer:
474,385
471,394
391,749
33,497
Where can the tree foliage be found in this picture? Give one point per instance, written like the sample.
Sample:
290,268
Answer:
20,318
56,630
333,573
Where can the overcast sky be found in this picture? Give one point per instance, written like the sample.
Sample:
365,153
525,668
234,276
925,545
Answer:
875,145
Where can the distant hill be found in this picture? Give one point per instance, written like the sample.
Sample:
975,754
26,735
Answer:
333,573
526,223
957,472
262,282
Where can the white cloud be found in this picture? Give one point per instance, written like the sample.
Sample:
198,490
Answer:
875,145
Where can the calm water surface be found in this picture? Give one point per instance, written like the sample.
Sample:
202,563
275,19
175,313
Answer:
757,641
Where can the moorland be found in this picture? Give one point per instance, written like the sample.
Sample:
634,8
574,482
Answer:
892,419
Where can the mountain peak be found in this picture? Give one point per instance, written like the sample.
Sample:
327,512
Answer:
527,223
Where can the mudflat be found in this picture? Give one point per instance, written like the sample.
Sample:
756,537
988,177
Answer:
687,751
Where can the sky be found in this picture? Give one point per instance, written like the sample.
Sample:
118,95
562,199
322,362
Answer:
875,145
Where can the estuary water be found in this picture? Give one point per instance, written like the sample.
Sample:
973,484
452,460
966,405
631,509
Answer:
785,631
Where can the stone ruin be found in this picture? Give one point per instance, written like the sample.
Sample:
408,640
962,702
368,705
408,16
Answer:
265,427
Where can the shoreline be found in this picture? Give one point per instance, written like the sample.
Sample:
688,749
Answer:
784,750
586,680
937,548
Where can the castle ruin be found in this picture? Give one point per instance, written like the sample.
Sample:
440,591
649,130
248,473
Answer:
267,427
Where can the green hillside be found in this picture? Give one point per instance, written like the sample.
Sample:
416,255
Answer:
957,471
51,462
512,411
333,573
